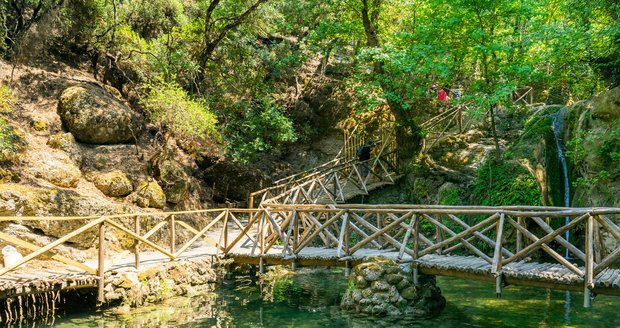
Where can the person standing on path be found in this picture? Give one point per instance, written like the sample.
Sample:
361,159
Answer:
363,155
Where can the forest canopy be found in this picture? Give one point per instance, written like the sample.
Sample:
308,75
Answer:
238,60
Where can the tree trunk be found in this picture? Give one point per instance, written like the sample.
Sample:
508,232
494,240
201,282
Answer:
408,132
498,153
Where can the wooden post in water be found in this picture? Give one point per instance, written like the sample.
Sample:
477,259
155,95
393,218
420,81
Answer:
136,246
496,268
101,265
588,282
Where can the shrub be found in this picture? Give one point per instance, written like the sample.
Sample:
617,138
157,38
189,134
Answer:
11,143
506,183
7,100
186,118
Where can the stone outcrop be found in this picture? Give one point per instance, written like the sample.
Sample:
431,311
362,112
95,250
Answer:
153,284
149,194
56,167
606,106
114,184
384,288
21,200
66,142
94,116
174,180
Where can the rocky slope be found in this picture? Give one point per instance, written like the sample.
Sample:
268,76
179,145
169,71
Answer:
87,152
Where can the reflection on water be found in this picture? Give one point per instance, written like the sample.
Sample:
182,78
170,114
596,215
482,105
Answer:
310,298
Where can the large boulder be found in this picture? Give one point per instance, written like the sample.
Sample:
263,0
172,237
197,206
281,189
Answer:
57,168
114,184
95,116
606,106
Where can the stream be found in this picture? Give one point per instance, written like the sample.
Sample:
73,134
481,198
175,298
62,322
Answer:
310,298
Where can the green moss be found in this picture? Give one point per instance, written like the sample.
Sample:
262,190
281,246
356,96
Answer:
506,183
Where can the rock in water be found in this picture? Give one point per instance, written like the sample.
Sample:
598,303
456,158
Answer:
391,292
11,255
94,116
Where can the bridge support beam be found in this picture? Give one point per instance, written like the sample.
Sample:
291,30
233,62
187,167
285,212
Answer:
587,298
347,269
498,285
261,265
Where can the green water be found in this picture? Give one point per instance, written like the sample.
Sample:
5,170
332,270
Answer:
310,298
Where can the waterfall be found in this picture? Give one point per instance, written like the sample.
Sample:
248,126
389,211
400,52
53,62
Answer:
557,122
557,126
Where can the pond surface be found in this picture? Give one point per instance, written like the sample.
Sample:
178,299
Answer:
310,298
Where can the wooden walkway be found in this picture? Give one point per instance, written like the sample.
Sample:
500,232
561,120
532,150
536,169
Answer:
488,243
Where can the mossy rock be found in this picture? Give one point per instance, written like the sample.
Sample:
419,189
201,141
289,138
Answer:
149,194
114,184
95,116
174,181
66,142
39,126
606,106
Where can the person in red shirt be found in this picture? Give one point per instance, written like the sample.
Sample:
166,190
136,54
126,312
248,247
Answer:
442,95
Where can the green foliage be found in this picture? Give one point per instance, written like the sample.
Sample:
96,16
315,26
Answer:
11,142
264,128
610,149
171,107
506,183
450,197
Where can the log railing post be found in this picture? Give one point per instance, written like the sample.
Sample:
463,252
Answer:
342,236
519,235
438,233
136,246
225,229
296,223
496,267
588,281
172,234
101,264
416,242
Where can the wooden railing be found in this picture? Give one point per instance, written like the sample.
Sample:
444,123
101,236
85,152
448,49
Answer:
524,95
384,154
333,185
497,235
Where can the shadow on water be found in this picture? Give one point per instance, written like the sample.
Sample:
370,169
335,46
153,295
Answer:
310,298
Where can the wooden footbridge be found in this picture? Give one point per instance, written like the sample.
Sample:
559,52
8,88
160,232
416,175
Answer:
301,221
509,245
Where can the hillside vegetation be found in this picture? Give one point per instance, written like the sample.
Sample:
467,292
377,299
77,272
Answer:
216,95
